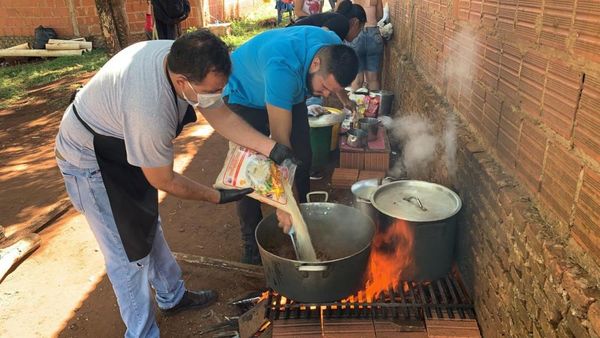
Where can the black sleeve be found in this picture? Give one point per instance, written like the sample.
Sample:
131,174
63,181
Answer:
338,24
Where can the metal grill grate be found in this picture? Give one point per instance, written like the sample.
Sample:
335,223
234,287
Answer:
444,298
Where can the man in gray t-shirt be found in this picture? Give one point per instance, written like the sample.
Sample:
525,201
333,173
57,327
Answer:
115,151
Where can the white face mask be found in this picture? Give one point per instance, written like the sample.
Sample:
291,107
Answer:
202,100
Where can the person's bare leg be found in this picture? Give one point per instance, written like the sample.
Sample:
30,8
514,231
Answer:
373,80
358,81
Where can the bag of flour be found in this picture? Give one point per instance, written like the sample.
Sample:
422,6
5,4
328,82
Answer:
272,184
245,168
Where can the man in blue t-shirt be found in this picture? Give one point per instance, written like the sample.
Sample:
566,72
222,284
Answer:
273,73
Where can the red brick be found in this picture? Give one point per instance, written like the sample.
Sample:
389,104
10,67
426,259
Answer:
593,316
587,130
531,83
491,118
506,15
531,155
587,16
475,11
559,181
574,324
556,22
508,135
586,229
561,97
527,14
579,291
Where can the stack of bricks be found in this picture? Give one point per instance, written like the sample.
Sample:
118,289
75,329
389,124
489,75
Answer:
362,163
527,169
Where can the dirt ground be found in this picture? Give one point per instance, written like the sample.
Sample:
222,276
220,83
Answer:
36,298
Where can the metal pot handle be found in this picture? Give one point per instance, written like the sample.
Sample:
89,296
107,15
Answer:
312,268
419,204
312,193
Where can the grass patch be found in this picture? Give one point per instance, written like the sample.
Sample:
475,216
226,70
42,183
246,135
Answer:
244,29
15,81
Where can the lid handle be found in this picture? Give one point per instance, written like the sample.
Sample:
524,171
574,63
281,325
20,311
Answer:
419,204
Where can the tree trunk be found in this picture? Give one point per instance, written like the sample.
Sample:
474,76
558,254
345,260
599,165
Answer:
114,24
121,22
107,26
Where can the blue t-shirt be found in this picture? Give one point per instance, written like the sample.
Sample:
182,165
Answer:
273,66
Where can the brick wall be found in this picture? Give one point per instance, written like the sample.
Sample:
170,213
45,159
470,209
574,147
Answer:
523,79
72,18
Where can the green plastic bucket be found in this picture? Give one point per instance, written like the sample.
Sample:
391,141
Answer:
320,143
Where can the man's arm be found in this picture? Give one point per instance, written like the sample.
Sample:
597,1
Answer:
234,128
280,124
165,179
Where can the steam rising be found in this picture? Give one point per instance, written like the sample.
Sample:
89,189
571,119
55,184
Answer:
418,145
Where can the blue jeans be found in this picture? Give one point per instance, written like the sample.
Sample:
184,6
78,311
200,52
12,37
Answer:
368,46
131,281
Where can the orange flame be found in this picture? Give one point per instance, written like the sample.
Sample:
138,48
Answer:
390,255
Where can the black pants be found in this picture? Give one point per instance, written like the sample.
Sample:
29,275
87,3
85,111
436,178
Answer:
248,209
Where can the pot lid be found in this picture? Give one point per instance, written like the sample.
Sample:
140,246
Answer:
416,201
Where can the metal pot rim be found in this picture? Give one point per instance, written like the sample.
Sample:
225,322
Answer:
451,193
368,246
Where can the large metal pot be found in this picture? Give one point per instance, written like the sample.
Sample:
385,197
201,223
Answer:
340,233
357,138
429,210
371,126
361,192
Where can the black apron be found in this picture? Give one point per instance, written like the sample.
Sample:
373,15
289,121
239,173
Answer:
133,200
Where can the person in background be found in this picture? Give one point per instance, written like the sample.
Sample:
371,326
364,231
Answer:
115,150
168,14
303,8
283,6
369,47
347,21
273,73
149,25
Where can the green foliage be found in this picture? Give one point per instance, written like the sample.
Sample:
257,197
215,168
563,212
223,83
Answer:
16,80
244,29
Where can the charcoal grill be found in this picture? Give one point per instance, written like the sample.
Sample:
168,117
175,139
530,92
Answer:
415,308
443,298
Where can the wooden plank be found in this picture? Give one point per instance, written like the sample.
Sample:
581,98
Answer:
21,46
37,53
87,45
15,251
62,46
246,269
51,213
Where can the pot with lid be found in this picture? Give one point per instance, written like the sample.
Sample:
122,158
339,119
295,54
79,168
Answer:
429,211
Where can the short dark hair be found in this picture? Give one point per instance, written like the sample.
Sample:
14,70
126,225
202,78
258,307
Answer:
350,11
195,54
339,60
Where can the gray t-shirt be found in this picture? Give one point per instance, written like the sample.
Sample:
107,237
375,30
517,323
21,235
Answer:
129,98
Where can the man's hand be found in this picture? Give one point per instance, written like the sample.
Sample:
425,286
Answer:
232,195
351,106
285,220
280,153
